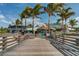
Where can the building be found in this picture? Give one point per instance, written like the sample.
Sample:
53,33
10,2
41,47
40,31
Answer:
14,28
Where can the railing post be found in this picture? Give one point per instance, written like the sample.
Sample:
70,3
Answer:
77,41
63,38
54,35
18,39
3,45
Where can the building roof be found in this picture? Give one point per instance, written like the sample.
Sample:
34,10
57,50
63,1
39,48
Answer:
14,26
45,27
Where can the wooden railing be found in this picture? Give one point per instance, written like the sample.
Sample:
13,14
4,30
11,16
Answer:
68,44
7,42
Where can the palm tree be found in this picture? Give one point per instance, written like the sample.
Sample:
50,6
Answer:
29,26
22,17
35,12
25,14
65,13
58,21
73,22
50,10
17,22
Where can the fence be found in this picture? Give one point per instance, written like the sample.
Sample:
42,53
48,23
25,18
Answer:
7,42
67,44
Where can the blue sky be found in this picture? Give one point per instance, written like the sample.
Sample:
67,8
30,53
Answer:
10,12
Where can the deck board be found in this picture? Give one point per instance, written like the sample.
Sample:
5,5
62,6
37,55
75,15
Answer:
34,47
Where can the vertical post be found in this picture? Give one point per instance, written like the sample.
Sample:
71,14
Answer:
55,35
63,37
77,41
18,39
3,45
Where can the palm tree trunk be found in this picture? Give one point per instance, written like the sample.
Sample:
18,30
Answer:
33,27
72,26
49,24
25,24
62,26
66,26
21,25
17,29
63,30
65,21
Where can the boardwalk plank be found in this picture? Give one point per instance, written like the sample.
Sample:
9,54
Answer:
34,47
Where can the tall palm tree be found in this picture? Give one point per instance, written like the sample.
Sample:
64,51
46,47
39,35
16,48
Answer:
65,13
17,23
68,14
58,21
25,14
35,12
22,17
51,9
73,22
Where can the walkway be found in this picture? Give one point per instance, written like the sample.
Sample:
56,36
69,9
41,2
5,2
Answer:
34,47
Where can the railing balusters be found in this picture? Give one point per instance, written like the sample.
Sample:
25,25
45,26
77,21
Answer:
69,44
77,41
3,45
8,42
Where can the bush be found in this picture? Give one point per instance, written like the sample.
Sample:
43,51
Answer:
58,29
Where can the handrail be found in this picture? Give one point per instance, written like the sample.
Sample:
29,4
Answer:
66,44
8,42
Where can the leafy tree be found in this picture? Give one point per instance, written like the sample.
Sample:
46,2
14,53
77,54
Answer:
17,23
65,13
51,9
73,22
35,12
25,14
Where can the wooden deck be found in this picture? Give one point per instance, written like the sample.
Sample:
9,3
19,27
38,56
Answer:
34,47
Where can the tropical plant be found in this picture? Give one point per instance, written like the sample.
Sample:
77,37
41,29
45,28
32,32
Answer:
35,12
65,13
29,26
3,30
25,14
17,23
58,21
50,10
73,22
22,17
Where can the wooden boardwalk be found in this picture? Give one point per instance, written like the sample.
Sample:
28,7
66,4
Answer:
34,47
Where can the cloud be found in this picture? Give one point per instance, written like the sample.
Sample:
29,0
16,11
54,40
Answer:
2,17
4,21
77,18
